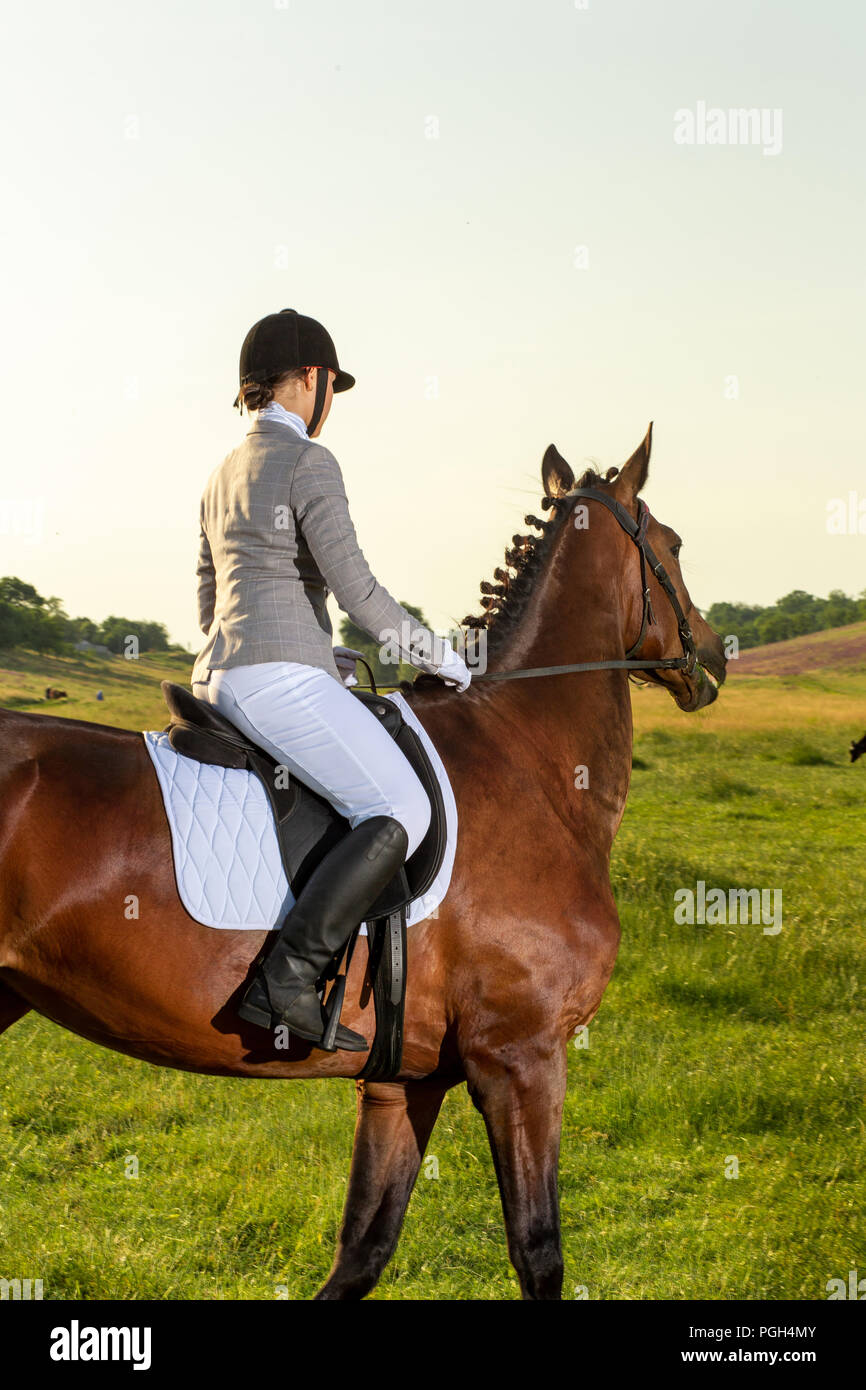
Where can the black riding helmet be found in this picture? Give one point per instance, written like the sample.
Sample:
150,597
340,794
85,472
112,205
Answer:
279,342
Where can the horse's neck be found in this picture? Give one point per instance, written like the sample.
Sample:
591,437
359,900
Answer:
580,606
580,610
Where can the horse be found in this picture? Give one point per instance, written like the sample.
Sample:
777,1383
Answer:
523,945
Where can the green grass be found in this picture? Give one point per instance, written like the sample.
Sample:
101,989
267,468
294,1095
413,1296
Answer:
131,697
713,1043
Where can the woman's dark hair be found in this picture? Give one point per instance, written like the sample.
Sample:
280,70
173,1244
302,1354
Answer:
260,393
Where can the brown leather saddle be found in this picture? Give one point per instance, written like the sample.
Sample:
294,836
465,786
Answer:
308,826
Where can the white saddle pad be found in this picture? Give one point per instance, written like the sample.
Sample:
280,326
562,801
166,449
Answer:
226,854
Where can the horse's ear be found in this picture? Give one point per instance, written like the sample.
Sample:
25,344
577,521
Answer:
556,474
634,475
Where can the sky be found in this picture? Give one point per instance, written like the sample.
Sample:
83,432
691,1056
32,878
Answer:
489,208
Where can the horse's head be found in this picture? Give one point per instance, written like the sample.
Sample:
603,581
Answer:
692,689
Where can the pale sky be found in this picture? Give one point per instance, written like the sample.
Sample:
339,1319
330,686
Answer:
418,176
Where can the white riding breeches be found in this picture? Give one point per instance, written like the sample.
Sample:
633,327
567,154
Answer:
325,736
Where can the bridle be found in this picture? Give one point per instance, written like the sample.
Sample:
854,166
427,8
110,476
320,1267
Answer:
630,662
637,531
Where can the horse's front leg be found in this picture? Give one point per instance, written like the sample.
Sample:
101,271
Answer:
395,1120
520,1098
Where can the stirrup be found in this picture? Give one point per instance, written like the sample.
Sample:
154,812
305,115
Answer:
333,1009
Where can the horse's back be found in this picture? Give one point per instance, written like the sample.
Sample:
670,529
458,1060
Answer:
63,751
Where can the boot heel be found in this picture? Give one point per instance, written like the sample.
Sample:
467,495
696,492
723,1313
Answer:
263,1018
256,1006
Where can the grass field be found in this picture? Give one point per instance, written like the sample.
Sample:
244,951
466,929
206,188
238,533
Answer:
715,1047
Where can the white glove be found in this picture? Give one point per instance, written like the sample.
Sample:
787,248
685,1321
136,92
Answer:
454,670
344,658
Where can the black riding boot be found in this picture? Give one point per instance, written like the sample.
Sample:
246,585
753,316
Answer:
332,902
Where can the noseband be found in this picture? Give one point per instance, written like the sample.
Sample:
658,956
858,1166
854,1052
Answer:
637,531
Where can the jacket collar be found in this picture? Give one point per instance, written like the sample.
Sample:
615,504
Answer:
266,426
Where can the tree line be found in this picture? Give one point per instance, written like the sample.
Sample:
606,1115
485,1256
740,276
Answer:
794,615
27,619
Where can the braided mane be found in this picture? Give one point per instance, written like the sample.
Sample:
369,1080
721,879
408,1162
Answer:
505,602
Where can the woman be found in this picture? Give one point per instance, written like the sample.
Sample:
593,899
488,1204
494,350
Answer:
276,537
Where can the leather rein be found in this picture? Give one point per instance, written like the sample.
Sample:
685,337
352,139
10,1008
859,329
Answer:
637,531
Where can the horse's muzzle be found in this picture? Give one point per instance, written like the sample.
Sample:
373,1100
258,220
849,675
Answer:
702,686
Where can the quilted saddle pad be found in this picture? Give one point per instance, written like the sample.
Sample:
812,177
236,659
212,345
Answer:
227,862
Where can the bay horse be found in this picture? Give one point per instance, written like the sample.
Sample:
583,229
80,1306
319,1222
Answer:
523,946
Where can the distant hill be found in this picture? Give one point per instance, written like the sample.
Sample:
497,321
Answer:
838,647
131,697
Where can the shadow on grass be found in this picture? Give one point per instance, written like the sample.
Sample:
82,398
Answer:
722,788
722,997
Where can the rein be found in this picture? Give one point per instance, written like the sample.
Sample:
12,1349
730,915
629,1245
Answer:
637,531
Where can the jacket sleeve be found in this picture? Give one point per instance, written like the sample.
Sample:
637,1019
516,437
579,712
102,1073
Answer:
318,500
206,581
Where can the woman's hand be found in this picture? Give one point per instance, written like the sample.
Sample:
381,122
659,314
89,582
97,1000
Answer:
454,671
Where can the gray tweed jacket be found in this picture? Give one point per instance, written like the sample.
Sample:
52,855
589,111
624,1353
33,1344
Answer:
276,537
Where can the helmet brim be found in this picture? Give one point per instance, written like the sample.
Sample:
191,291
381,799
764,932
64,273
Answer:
343,381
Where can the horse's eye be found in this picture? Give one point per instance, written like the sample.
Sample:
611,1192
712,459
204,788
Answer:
675,550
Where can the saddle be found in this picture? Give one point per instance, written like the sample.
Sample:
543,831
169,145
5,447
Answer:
308,826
